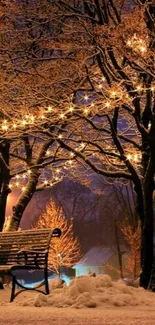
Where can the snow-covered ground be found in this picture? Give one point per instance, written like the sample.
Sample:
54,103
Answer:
86,301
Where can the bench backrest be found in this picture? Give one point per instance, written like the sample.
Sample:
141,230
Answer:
11,243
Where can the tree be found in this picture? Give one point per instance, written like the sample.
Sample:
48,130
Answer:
65,251
31,82
132,237
118,102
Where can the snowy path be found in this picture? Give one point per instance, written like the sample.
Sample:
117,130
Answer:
13,315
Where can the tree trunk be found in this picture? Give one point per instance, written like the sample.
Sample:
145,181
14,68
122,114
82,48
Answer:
147,240
23,201
4,179
118,249
3,201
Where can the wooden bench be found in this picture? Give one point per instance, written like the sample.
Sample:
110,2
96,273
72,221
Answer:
26,249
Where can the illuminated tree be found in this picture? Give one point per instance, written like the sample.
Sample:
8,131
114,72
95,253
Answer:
117,130
31,115
133,239
65,251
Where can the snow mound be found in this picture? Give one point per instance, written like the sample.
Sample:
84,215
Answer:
91,292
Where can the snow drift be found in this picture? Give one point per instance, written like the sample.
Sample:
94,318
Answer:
91,292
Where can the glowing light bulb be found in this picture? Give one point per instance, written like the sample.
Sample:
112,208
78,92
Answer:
149,126
48,152
23,188
139,87
70,162
128,156
32,118
14,125
49,108
113,93
62,115
86,111
107,104
45,182
24,122
86,97
71,108
143,49
60,136
4,127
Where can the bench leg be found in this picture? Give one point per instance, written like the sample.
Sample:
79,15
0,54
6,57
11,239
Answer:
46,282
13,288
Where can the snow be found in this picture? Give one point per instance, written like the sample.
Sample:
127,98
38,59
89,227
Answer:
86,301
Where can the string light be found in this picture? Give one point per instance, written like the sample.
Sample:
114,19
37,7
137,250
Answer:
139,88
82,145
14,125
32,118
86,97
107,104
86,111
42,117
113,93
62,115
48,152
49,108
23,122
70,162
4,127
45,182
71,109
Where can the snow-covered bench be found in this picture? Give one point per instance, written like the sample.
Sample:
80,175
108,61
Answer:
26,249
